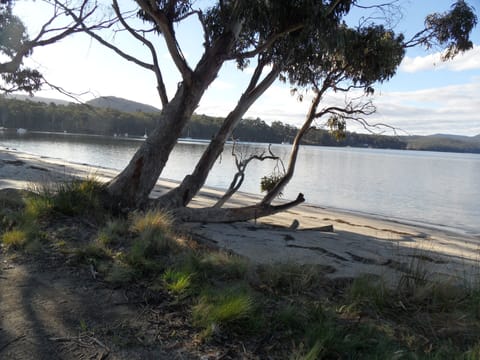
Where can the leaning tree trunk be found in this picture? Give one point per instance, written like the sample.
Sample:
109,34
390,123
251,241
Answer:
133,185
191,184
277,189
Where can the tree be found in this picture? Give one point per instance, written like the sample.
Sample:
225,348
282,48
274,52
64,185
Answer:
15,44
304,42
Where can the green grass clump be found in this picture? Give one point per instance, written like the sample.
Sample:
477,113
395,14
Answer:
368,291
37,206
71,198
217,265
291,279
229,306
113,232
120,274
177,282
15,239
154,239
152,221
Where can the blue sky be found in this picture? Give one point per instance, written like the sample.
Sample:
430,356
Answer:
425,97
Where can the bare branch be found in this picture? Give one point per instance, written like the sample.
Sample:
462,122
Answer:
162,91
241,163
166,27
107,44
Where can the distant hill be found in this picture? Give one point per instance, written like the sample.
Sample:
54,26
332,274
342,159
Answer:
37,99
444,142
120,104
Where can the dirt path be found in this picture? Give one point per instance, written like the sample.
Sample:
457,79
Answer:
63,313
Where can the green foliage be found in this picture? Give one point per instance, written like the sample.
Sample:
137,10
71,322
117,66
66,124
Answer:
223,307
74,118
452,29
178,282
268,182
14,46
338,127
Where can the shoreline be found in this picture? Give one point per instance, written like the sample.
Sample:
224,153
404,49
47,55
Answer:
402,221
360,243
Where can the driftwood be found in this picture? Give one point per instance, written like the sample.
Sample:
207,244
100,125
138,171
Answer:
226,215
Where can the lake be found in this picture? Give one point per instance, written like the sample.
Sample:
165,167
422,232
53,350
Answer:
432,188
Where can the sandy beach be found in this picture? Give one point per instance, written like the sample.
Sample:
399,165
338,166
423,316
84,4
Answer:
358,244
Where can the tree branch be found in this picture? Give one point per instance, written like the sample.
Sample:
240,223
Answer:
240,174
162,91
266,44
166,28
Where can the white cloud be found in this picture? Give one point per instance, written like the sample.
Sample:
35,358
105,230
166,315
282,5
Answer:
469,60
450,109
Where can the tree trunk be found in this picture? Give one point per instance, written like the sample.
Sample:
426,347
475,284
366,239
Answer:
226,215
272,194
191,184
133,185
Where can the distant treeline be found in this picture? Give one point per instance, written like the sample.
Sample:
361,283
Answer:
87,119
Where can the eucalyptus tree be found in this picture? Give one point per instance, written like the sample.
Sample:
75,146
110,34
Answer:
16,45
304,42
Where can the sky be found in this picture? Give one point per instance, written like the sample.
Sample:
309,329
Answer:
426,96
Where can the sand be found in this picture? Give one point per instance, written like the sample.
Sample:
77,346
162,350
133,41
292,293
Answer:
358,244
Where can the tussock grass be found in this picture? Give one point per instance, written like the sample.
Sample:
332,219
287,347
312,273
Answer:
217,308
71,198
15,239
121,274
152,221
178,282
217,265
289,278
114,232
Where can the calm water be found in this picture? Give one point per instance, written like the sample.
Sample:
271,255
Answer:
433,188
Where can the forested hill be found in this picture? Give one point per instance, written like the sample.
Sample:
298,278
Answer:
103,117
112,102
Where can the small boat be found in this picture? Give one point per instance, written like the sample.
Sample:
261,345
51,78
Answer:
145,135
21,131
